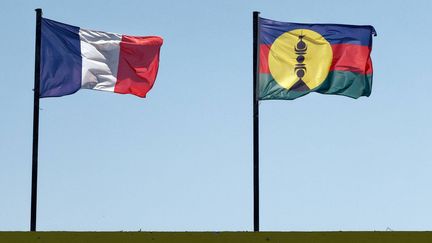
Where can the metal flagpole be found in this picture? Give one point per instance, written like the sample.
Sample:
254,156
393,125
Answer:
35,121
255,120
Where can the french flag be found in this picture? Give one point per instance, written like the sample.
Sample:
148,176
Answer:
73,58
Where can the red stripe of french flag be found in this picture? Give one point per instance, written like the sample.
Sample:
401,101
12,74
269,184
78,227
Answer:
138,64
346,57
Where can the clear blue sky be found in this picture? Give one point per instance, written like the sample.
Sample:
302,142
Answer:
181,159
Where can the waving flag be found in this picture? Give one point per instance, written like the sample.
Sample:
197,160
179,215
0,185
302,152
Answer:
296,59
73,58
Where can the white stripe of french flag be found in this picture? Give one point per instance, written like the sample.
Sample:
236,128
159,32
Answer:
75,58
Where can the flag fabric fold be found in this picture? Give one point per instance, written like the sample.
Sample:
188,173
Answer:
296,59
73,58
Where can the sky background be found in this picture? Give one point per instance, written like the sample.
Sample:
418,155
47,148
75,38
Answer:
181,159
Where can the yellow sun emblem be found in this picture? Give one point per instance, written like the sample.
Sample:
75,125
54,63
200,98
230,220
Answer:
300,59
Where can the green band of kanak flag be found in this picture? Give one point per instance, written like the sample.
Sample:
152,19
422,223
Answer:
296,59
344,83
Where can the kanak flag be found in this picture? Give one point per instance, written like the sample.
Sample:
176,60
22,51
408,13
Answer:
73,58
296,59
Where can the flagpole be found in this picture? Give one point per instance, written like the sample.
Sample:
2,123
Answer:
35,120
255,121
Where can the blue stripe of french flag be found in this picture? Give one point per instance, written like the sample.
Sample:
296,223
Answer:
73,58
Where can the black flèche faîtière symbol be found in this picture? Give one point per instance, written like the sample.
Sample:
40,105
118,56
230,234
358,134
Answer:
300,49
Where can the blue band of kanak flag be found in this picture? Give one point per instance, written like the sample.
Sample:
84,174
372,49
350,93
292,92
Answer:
73,58
333,33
